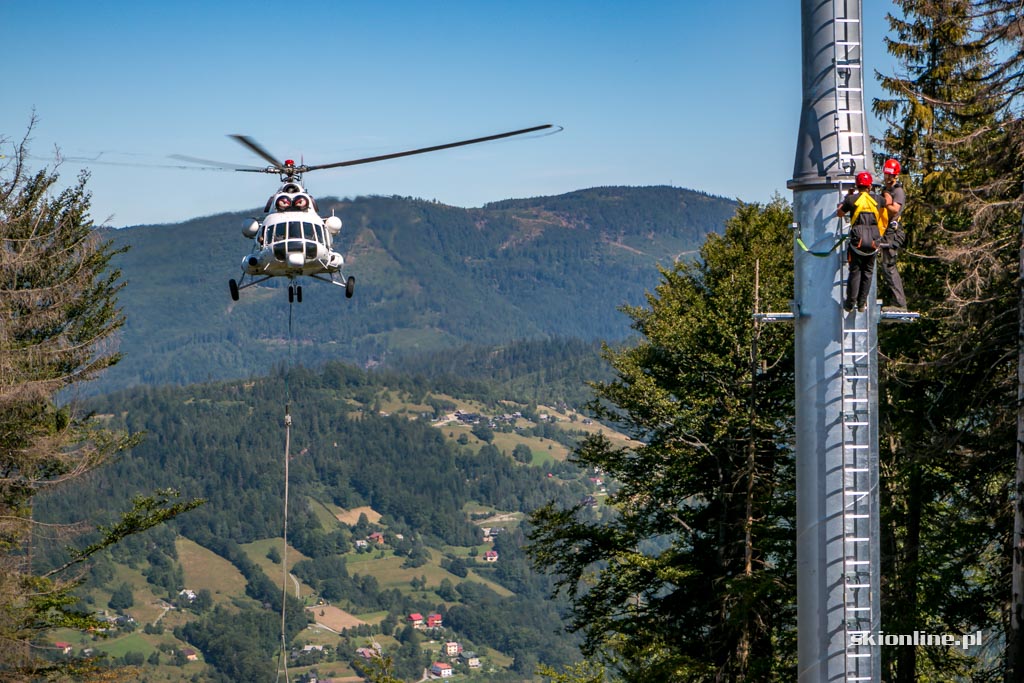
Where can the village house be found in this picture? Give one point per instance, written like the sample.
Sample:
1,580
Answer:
491,556
63,647
190,655
442,669
470,659
434,620
415,620
376,537
451,648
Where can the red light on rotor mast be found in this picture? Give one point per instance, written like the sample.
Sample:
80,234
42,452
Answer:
289,162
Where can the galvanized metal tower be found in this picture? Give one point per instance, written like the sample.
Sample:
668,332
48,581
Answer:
836,366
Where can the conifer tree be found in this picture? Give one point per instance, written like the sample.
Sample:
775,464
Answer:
692,578
948,388
58,311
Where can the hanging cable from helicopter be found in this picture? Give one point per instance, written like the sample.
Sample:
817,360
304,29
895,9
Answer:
294,241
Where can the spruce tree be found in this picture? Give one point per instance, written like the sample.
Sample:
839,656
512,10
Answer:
58,312
947,383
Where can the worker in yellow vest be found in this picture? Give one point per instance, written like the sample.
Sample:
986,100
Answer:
865,236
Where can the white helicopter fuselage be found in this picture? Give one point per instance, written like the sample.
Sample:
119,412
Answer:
292,241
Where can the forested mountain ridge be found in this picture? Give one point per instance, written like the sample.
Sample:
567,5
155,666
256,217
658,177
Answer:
379,441
429,277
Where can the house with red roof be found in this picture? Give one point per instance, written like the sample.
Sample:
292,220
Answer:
442,669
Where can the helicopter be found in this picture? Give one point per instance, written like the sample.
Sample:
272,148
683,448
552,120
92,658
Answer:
293,240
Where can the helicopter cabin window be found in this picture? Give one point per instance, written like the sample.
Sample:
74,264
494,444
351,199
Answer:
277,232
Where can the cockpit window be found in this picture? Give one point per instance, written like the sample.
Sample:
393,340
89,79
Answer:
292,230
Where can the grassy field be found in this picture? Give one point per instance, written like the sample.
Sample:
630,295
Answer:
351,517
257,552
390,573
334,618
544,450
326,513
205,569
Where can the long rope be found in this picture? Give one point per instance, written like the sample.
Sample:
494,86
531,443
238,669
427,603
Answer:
283,661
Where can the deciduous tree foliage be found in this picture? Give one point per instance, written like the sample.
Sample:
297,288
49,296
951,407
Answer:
693,578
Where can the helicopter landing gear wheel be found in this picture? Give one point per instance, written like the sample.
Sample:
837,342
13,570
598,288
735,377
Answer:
298,293
291,294
233,286
350,287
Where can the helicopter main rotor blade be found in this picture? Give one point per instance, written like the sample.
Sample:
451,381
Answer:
221,165
99,160
435,148
258,149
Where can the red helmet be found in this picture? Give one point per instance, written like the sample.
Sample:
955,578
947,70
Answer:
892,167
864,179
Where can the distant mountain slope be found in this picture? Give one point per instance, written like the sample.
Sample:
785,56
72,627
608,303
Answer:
429,277
384,442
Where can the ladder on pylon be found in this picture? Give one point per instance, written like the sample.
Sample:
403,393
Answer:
851,133
858,497
853,155
859,512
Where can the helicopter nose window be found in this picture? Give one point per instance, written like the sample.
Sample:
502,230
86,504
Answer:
308,231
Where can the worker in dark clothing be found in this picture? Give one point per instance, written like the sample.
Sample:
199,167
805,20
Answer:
894,199
865,236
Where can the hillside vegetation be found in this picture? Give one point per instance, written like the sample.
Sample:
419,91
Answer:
430,277
427,466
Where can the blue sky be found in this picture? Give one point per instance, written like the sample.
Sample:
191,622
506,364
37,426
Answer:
703,95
